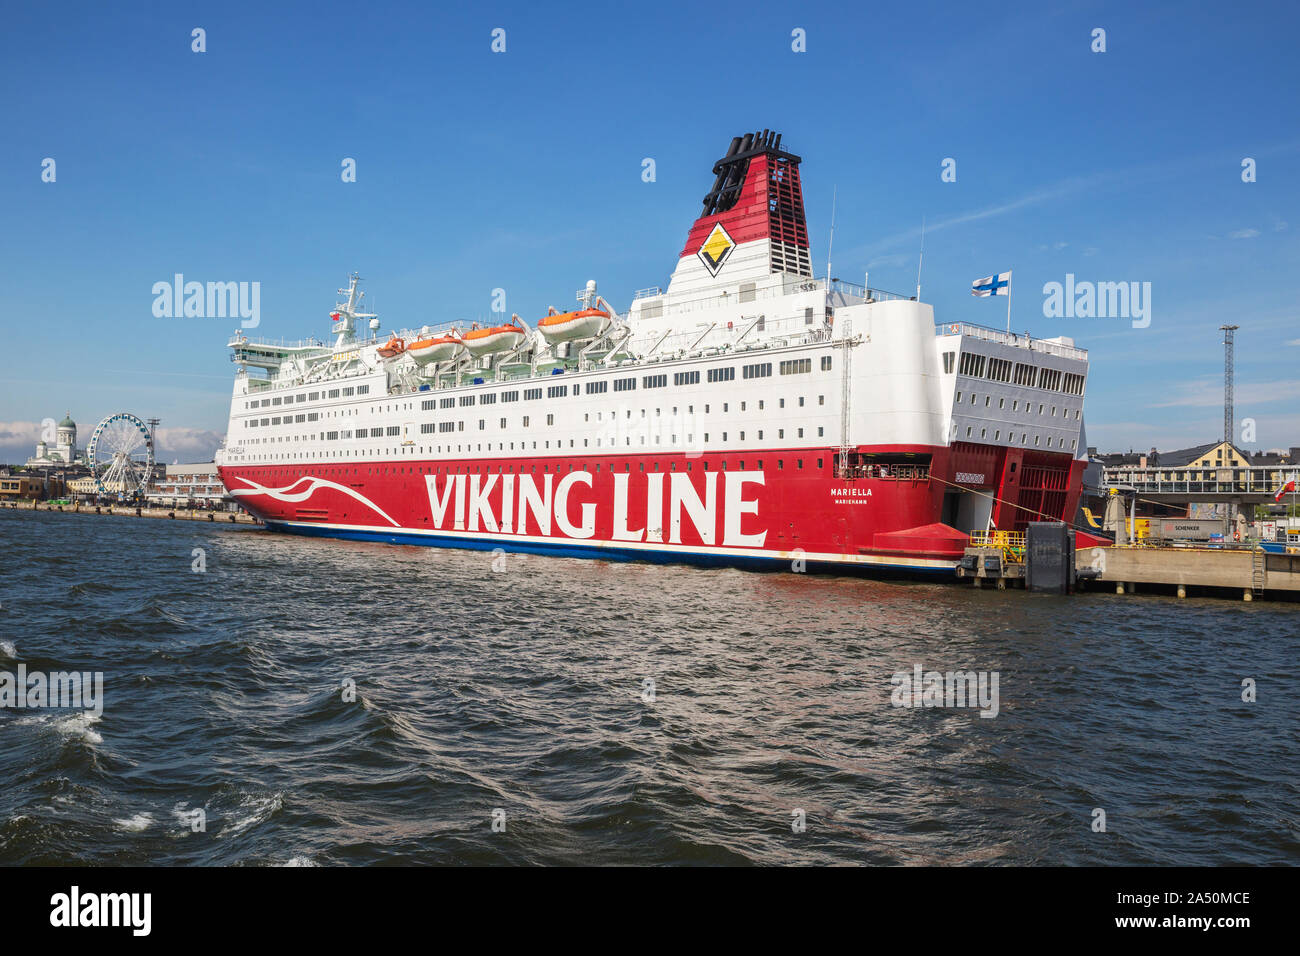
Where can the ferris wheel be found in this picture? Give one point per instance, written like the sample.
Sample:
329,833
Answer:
120,456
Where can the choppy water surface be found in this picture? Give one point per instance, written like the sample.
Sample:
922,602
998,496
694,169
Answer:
523,691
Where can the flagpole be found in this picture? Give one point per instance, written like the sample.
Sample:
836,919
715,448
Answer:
1008,303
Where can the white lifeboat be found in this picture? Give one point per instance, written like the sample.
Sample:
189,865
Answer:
496,338
430,349
566,326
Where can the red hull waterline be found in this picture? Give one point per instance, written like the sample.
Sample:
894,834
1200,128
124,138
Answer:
784,508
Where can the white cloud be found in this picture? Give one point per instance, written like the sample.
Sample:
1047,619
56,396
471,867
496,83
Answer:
189,444
1208,393
14,432
1244,234
18,442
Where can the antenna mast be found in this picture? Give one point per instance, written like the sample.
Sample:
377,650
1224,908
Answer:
831,242
919,260
1227,381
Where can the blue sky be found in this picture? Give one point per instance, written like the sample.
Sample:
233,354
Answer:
522,170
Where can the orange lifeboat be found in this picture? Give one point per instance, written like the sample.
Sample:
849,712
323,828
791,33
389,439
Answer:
565,326
435,348
497,338
392,348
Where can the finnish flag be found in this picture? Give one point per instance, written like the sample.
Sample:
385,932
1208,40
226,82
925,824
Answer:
999,284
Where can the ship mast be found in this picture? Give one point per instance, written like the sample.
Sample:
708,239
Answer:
345,314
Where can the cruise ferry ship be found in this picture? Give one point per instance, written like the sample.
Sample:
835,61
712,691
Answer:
749,414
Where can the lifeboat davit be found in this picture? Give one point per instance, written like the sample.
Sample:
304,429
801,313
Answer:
392,348
498,338
435,348
565,326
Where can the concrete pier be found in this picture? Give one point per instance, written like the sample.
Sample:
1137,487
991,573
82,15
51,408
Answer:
131,511
1249,573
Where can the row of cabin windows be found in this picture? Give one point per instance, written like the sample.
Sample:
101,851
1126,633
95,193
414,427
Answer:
427,427
1015,405
347,392
975,365
1011,438
727,374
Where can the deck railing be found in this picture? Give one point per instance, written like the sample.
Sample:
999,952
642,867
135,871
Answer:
1010,543
1012,339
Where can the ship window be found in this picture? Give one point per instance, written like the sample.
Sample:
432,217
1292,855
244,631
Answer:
826,363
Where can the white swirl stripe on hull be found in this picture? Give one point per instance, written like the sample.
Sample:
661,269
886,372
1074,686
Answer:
287,494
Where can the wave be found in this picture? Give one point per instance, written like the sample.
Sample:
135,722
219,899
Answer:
135,824
78,726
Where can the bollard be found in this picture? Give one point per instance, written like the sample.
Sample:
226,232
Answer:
1182,591
1246,595
1119,587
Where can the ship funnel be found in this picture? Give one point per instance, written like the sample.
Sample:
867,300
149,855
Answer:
757,196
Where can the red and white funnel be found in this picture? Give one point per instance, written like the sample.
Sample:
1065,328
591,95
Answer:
752,224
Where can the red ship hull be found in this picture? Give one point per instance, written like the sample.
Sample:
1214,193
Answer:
757,508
